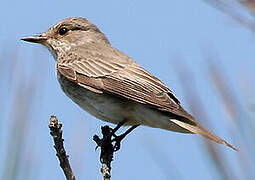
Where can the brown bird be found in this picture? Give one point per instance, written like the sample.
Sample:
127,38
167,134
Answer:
110,85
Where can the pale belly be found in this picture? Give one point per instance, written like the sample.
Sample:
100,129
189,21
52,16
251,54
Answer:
115,109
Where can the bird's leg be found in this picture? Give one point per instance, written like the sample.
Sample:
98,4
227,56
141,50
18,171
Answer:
106,141
118,139
109,137
109,144
121,123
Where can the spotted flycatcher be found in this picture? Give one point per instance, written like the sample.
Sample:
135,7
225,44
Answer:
110,85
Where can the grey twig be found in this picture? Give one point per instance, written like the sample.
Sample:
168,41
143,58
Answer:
109,144
107,150
56,132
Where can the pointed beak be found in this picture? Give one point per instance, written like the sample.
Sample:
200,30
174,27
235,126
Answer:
35,39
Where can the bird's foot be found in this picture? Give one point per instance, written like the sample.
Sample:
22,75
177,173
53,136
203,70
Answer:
110,142
118,139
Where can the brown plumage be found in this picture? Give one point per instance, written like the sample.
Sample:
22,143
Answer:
109,84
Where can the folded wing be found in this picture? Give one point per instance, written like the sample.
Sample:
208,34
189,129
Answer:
123,78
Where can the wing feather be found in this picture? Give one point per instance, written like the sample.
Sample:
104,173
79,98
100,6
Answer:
123,78
110,71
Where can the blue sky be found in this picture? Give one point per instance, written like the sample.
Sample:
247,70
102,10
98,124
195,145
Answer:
158,35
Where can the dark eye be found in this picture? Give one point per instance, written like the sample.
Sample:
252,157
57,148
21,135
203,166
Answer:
63,31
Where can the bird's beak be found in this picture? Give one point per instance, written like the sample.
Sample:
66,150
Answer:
35,39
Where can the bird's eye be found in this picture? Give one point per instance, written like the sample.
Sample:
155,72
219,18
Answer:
63,31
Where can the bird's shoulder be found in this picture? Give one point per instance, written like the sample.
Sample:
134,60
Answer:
94,60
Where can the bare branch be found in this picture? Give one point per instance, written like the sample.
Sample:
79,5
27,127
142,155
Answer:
56,133
107,150
109,144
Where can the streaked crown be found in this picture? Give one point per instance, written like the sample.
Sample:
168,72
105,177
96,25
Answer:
68,33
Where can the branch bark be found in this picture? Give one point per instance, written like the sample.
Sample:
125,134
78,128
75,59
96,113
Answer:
56,132
107,150
109,144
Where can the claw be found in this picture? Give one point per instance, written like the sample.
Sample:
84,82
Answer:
110,142
117,140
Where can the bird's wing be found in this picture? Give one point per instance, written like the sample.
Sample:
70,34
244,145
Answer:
128,80
123,78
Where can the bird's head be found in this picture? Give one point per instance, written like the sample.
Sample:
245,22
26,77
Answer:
67,34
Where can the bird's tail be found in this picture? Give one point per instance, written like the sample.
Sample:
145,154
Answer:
198,129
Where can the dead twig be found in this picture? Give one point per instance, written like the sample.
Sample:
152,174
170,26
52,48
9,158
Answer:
107,150
56,132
